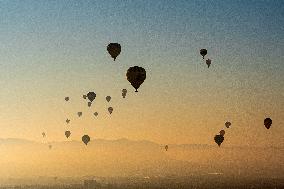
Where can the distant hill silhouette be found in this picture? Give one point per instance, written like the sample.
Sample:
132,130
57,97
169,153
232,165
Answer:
123,157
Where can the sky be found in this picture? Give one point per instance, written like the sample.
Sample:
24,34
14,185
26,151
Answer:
53,49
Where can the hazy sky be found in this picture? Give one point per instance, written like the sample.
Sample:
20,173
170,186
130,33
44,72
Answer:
53,49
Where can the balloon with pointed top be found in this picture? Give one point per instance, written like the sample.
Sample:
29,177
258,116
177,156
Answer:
86,139
108,98
79,114
203,52
91,96
208,62
96,113
228,124
67,98
222,132
124,91
110,109
219,139
267,122
67,134
136,76
166,147
114,50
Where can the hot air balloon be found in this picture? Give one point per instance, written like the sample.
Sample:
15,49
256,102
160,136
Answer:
110,109
228,124
219,139
114,50
108,98
91,96
96,114
86,139
208,62
50,146
166,147
203,52
67,134
43,134
222,132
79,114
136,76
124,91
67,98
67,121
267,123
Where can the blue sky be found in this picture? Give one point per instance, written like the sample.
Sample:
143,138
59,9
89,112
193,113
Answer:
50,49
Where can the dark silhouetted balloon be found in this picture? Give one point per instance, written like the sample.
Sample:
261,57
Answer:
208,62
67,121
228,124
222,132
108,98
219,139
86,139
67,134
166,147
96,113
124,91
79,114
67,98
136,76
203,52
267,123
84,96
43,134
91,96
110,109
114,50
50,146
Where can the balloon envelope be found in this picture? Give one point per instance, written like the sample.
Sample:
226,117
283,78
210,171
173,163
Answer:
96,114
91,96
114,50
110,109
136,76
108,98
79,114
228,124
86,139
219,139
124,91
67,121
166,147
43,134
50,146
267,123
67,134
203,52
222,132
67,98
